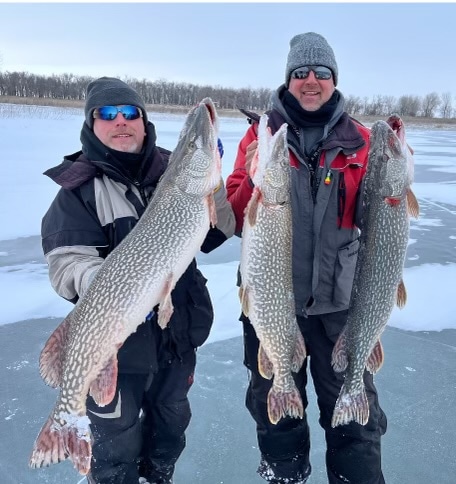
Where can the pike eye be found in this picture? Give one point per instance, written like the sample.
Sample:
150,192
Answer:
192,145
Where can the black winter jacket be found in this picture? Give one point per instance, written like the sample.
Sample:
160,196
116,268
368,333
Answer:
97,206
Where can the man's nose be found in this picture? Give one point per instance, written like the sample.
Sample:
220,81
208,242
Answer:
119,119
311,77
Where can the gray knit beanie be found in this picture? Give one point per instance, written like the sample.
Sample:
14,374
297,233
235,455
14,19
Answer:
310,49
109,91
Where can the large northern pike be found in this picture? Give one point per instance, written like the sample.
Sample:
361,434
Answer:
387,203
80,356
267,292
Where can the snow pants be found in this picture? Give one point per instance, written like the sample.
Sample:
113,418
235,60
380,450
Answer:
353,452
141,433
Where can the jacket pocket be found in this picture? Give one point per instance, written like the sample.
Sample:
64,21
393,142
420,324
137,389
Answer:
344,273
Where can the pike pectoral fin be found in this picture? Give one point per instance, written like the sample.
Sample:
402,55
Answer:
243,297
401,298
339,355
300,352
104,387
51,357
350,407
212,210
413,207
281,404
252,207
166,308
264,364
376,358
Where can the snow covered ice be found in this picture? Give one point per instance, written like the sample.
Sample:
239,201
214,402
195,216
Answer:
416,385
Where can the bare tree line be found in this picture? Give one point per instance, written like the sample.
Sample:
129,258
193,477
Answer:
163,92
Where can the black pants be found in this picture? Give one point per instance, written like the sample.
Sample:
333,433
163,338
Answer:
127,446
353,452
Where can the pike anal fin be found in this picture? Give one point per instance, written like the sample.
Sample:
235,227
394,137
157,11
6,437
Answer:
300,352
376,358
103,389
339,355
264,364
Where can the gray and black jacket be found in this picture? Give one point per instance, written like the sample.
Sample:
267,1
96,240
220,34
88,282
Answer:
326,182
98,204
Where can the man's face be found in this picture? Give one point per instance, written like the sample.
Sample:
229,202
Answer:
311,92
121,134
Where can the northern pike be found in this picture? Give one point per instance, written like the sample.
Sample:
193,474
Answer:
80,356
378,285
266,272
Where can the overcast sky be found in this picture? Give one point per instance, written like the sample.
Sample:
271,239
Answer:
381,49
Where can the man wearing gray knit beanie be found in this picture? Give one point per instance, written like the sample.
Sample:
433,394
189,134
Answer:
105,188
310,49
107,91
328,151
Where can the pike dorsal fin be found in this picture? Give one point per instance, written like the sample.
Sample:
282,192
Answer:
52,355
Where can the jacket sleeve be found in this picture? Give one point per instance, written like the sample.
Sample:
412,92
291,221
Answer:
239,185
74,244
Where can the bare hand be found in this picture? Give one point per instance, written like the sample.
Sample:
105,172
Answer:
249,154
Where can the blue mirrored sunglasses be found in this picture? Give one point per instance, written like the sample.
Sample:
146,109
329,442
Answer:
108,113
322,73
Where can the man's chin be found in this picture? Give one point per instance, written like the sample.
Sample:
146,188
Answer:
310,106
125,147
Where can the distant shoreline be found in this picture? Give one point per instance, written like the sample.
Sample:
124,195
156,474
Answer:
416,122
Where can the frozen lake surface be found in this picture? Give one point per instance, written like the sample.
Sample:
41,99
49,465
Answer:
417,385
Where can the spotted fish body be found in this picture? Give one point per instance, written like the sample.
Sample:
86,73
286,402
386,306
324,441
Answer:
80,357
266,273
387,204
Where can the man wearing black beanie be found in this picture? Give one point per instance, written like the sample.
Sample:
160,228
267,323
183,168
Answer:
105,188
328,152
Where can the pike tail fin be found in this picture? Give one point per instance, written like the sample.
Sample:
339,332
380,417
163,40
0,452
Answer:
350,407
281,404
56,445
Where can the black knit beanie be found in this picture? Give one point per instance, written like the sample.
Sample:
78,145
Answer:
109,91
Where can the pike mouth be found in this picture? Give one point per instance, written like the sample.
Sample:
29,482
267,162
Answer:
211,112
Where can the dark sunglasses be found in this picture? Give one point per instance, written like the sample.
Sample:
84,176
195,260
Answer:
322,73
108,113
